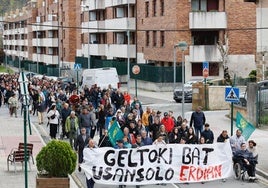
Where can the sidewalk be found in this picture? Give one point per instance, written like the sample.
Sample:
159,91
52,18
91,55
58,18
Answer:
12,132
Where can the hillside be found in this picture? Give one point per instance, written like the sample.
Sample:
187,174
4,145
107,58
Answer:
7,5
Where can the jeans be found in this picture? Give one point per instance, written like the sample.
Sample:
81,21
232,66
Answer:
198,131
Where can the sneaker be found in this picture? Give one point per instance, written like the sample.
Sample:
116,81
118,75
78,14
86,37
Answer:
224,180
79,169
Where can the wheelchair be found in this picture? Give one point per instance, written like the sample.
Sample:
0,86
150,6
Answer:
240,169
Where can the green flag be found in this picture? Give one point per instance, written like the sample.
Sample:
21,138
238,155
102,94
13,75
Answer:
246,128
115,133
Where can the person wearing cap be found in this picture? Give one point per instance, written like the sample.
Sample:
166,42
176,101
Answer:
252,148
53,120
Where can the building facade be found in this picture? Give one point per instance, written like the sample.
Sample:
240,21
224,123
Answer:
161,25
54,33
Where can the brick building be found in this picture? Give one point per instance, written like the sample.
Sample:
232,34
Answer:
55,33
201,23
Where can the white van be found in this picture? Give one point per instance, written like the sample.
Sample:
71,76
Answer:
101,77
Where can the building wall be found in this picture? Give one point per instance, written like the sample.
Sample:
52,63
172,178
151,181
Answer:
69,33
241,27
174,23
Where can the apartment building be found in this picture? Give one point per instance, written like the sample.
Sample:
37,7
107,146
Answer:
54,33
161,25
44,34
108,30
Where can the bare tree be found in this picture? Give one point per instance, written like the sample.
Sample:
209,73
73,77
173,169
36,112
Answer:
223,47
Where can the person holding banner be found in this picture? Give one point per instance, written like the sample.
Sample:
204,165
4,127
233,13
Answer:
91,145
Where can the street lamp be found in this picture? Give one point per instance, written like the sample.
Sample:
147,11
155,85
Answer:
182,46
174,67
20,47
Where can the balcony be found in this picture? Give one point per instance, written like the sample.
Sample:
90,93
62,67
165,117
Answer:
201,53
94,5
207,20
120,50
95,49
120,24
119,2
91,25
48,42
48,59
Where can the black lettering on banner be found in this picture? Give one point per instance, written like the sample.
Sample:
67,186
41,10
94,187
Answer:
130,163
106,157
207,150
119,173
121,157
131,174
169,174
150,174
140,174
108,175
152,158
186,157
157,177
97,177
196,154
141,151
170,156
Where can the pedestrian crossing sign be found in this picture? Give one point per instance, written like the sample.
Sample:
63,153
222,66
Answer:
77,66
231,94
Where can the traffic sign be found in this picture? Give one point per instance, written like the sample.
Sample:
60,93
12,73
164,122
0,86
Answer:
205,69
77,66
231,94
136,69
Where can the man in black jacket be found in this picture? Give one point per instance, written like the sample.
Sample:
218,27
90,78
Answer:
80,144
198,119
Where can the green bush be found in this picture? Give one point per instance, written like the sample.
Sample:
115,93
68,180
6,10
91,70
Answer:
56,159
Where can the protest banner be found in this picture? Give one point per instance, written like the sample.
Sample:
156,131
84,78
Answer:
170,163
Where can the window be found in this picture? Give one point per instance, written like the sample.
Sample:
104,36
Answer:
162,39
154,38
147,9
197,69
205,37
162,7
154,7
199,5
147,37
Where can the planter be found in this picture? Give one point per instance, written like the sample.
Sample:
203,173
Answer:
52,182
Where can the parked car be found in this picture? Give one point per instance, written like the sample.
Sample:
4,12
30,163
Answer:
188,93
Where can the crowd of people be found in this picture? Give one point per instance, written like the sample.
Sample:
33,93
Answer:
84,113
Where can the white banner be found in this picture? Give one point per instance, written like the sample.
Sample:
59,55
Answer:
171,163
